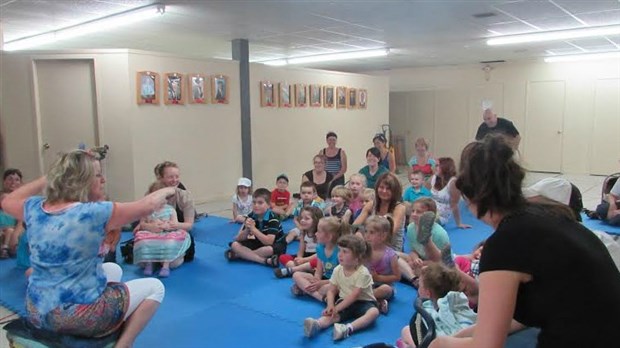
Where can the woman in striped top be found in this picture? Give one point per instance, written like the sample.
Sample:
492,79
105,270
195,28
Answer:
336,159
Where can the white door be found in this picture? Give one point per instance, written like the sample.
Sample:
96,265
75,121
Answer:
544,126
67,106
605,151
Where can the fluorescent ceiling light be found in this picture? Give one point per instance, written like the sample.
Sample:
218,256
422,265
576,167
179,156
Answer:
329,57
96,25
555,35
582,57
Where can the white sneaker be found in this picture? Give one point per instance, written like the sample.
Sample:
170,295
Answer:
340,332
311,327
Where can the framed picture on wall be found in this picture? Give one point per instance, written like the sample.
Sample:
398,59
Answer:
147,87
341,97
315,95
351,98
197,87
362,98
219,89
284,91
328,96
301,96
267,94
174,88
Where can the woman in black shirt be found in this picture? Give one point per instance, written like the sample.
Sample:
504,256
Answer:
540,268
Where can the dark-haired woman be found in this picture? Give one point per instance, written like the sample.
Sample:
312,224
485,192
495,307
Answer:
540,268
373,170
445,193
335,160
386,159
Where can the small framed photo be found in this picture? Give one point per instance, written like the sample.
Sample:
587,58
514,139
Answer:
197,87
328,96
174,88
147,87
351,98
219,89
301,97
341,97
363,98
284,94
267,94
315,95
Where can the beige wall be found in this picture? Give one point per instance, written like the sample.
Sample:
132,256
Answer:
203,139
443,104
284,140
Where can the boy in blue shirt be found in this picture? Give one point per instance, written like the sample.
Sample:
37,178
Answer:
307,197
261,238
417,189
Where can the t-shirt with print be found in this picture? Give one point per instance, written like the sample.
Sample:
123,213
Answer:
439,236
280,198
244,207
64,248
329,263
361,278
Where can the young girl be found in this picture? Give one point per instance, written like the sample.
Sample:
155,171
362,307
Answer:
242,200
351,283
445,193
447,305
357,184
383,263
306,255
158,239
316,285
470,264
341,196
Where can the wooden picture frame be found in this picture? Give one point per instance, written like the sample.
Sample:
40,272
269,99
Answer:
197,88
328,96
147,87
301,95
174,89
220,89
284,95
341,97
316,95
362,101
267,94
351,98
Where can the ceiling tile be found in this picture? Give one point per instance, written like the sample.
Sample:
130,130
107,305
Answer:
527,10
577,7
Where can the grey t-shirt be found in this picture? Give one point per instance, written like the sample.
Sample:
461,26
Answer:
616,189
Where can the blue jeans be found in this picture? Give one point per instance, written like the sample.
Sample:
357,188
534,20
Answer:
527,338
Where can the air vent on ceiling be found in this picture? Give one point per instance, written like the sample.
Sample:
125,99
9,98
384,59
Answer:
484,15
492,61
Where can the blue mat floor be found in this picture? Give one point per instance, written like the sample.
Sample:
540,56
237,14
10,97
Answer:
211,302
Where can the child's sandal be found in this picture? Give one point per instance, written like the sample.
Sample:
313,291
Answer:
229,255
272,261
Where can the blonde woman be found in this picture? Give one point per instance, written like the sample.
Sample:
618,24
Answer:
70,290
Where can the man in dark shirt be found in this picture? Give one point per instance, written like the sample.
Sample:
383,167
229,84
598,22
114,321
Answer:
494,124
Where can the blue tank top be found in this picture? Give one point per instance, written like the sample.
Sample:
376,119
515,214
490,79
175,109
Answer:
329,263
385,161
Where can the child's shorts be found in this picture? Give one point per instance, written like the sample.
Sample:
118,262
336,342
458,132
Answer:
279,247
356,310
378,284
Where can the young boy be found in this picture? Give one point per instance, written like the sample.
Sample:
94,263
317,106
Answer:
308,197
261,238
281,197
417,189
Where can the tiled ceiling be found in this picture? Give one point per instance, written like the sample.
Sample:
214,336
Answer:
418,33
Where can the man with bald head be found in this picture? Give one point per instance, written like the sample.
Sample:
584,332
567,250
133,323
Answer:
494,124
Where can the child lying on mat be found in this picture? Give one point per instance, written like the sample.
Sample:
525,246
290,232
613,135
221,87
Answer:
351,282
448,307
261,238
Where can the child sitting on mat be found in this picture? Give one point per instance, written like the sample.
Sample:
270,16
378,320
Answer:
261,238
308,198
242,200
357,184
305,260
341,196
350,284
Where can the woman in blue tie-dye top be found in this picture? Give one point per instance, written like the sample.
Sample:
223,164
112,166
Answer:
71,291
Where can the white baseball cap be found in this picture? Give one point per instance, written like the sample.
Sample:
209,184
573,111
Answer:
553,188
244,182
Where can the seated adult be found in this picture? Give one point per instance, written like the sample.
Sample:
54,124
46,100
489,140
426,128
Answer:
335,159
609,209
422,159
373,170
319,176
168,174
10,228
70,291
386,158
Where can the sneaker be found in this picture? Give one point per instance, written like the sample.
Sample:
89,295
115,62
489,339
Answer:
311,327
296,291
383,306
425,227
164,272
148,269
341,331
282,272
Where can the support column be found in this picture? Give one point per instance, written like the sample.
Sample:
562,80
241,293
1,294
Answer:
241,53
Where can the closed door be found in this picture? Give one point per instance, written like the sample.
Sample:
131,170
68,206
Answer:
605,151
66,104
544,126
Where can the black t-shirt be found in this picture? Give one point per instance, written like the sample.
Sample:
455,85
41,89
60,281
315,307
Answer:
503,126
321,189
574,295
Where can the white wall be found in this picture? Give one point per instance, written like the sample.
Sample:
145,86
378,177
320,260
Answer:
443,105
284,140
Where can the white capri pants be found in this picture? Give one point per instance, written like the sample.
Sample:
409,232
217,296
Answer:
139,289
